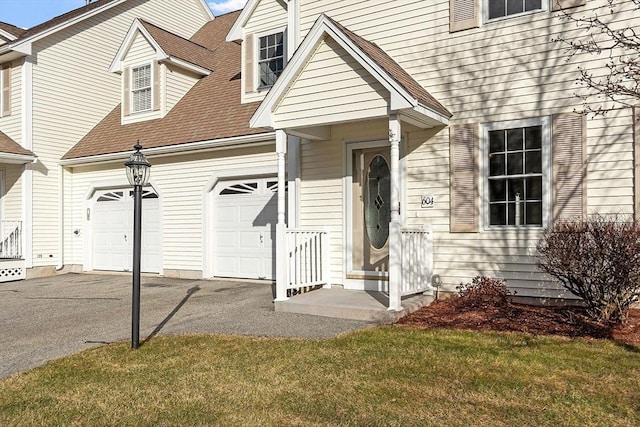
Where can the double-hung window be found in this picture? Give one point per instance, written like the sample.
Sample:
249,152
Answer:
270,58
141,88
503,8
517,173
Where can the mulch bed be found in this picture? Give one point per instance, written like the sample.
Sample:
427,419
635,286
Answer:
454,313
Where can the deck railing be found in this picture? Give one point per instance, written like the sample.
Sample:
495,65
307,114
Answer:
307,258
10,239
417,260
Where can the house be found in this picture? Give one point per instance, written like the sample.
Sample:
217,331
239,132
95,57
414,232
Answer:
54,89
376,146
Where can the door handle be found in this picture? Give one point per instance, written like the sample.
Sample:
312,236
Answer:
125,237
261,238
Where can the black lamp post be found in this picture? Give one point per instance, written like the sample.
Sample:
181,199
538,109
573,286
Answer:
138,175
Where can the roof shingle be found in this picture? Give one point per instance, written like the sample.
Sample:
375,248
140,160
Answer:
210,110
180,47
394,70
11,29
9,146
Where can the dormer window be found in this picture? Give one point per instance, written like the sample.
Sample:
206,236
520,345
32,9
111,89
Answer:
141,88
270,58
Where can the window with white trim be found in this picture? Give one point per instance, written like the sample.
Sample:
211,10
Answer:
270,58
517,173
141,88
503,8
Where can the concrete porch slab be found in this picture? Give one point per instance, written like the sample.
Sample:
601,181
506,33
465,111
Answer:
348,304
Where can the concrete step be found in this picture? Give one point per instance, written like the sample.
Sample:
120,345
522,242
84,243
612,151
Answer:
347,304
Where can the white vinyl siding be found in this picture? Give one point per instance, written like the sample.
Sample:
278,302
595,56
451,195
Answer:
508,70
181,195
331,74
268,17
141,55
12,197
178,83
59,120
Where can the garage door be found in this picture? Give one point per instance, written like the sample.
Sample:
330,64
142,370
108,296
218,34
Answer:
112,224
245,217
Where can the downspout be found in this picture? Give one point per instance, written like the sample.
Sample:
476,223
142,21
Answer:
60,265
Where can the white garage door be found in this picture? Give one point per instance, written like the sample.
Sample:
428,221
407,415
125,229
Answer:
245,217
112,222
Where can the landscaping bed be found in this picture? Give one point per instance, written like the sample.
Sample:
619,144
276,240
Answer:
507,316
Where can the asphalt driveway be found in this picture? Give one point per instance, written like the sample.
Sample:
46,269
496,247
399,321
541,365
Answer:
43,319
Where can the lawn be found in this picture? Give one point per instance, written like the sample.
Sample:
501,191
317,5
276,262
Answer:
384,376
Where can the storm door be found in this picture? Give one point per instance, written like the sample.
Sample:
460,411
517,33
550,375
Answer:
371,210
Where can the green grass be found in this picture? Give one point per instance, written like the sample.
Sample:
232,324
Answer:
385,376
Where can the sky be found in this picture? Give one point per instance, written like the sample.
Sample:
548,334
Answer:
27,13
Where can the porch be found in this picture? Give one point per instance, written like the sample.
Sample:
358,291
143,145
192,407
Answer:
305,285
12,263
340,303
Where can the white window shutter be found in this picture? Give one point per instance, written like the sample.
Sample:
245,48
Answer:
463,15
636,162
156,85
126,96
464,206
249,63
6,90
569,143
566,4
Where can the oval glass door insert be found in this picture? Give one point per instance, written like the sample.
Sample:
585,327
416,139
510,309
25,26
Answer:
377,205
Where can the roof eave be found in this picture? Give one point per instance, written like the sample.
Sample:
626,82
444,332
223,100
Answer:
212,144
17,159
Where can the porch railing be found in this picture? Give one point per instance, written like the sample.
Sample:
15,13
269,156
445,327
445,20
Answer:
10,239
308,258
417,259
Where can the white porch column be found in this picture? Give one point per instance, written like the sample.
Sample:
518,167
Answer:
395,274
281,227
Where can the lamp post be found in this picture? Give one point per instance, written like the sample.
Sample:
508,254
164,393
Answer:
138,175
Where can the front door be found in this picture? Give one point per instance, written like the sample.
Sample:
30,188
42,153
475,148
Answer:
371,212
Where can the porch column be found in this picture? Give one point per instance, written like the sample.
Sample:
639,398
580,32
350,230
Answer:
281,227
395,274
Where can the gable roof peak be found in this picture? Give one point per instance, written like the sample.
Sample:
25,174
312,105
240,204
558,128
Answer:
405,92
168,46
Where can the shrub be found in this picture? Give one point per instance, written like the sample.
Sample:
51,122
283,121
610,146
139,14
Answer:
597,260
483,292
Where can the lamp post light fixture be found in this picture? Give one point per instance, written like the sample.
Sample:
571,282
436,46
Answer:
138,175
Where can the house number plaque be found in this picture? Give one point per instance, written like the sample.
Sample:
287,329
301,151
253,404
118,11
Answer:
428,201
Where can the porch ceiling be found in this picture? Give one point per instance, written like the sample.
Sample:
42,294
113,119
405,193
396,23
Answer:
336,76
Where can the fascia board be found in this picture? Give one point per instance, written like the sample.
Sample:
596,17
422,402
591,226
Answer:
236,33
262,116
214,144
68,23
400,98
187,65
428,112
136,26
7,35
17,159
207,9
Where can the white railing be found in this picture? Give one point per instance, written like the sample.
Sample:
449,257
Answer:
416,259
307,258
10,239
